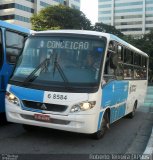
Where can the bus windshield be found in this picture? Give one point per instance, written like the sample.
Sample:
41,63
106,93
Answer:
73,60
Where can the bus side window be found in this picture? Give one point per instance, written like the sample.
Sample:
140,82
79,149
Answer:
120,68
137,59
120,53
113,60
110,63
1,50
14,45
128,56
144,62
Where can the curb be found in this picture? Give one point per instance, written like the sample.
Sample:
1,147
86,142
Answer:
149,148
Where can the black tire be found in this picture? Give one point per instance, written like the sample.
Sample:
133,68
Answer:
29,128
104,126
132,114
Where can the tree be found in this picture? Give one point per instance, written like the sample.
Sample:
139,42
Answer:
148,41
60,17
145,43
147,46
101,27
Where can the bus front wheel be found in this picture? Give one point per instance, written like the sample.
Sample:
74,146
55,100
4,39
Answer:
104,126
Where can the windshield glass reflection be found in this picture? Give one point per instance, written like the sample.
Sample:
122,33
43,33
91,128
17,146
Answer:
73,60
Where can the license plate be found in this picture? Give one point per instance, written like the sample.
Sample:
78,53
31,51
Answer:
41,117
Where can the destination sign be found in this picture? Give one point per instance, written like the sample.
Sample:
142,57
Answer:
75,45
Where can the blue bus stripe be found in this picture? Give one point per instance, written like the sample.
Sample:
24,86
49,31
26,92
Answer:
27,94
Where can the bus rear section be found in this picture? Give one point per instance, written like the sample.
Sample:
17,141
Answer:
11,44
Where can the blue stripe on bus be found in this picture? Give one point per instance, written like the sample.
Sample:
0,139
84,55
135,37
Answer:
117,113
27,94
100,119
114,92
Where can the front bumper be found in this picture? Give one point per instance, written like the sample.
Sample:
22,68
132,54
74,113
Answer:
87,123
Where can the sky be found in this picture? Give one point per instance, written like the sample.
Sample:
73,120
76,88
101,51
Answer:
90,9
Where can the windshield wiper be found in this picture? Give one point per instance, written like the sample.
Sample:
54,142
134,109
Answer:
56,65
32,76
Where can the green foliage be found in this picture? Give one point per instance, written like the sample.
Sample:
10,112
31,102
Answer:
147,46
60,17
101,27
148,39
145,43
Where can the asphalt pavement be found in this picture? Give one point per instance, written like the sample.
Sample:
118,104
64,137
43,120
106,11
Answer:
125,137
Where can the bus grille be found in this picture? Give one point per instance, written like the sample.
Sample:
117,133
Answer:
44,106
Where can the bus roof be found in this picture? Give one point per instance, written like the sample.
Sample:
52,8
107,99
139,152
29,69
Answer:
95,33
14,27
113,37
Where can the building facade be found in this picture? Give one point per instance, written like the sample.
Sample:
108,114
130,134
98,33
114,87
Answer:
19,11
131,17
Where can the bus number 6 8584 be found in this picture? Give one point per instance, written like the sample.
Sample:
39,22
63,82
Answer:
57,96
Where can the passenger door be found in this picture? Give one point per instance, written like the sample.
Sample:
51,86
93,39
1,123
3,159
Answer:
109,80
115,90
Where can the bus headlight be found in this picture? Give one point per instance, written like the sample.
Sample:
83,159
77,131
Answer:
12,98
83,106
